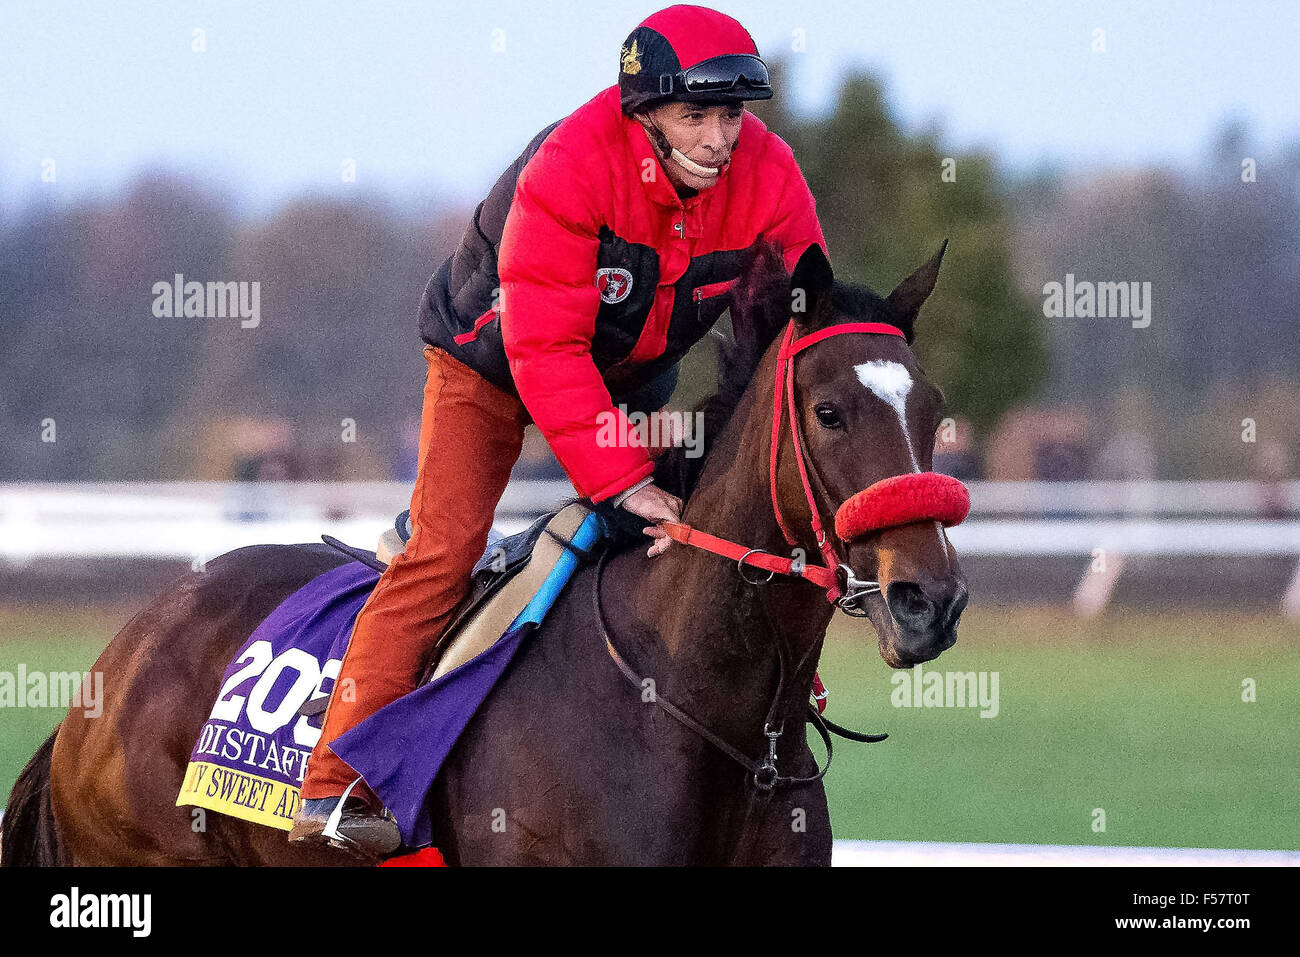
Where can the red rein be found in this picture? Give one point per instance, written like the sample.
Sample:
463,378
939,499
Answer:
898,500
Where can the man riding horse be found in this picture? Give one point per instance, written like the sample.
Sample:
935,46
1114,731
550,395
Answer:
596,261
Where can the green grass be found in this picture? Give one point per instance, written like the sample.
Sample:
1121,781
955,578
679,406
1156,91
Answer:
1140,715
46,639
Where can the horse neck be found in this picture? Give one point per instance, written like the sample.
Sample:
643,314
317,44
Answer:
721,635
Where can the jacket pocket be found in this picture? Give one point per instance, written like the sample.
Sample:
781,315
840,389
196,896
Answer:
710,300
710,290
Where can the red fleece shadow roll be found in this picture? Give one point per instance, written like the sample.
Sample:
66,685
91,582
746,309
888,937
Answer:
901,500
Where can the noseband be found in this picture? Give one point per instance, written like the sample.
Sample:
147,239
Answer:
898,500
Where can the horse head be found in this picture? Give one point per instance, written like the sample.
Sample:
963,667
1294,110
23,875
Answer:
856,467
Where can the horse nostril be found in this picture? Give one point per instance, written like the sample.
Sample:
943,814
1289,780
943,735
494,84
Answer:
910,606
925,608
955,605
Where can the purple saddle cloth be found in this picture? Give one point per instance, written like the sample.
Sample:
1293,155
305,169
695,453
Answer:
249,760
401,747
252,751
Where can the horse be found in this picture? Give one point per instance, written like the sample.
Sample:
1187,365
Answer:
706,760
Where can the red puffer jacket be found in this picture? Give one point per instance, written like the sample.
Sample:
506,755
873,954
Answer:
606,276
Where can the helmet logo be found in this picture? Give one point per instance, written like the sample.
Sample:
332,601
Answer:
614,283
631,60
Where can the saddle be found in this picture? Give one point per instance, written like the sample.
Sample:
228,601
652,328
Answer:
503,582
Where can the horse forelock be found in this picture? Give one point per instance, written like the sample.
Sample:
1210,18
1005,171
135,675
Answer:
854,303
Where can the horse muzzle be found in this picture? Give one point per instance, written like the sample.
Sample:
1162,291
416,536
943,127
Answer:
891,503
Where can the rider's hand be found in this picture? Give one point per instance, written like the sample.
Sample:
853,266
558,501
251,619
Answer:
655,505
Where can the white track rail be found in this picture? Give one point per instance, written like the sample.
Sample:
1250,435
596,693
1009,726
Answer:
933,854
189,520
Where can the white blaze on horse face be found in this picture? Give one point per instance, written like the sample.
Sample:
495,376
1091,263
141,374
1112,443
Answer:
891,382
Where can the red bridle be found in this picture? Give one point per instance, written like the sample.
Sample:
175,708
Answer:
898,500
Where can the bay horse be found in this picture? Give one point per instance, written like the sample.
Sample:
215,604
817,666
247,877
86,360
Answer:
566,763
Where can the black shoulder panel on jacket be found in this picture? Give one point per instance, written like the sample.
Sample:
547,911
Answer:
464,287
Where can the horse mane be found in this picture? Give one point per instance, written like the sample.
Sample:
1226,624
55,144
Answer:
760,308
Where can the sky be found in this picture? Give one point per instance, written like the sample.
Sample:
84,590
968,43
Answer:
435,99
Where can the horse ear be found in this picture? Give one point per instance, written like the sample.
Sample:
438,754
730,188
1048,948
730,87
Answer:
912,292
810,285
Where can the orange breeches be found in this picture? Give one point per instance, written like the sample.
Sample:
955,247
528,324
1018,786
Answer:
470,437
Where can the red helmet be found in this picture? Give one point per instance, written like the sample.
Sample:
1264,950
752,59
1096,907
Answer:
690,54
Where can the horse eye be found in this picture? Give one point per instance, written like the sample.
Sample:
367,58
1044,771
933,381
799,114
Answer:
827,416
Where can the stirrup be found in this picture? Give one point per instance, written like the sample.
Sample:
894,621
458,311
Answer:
331,829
